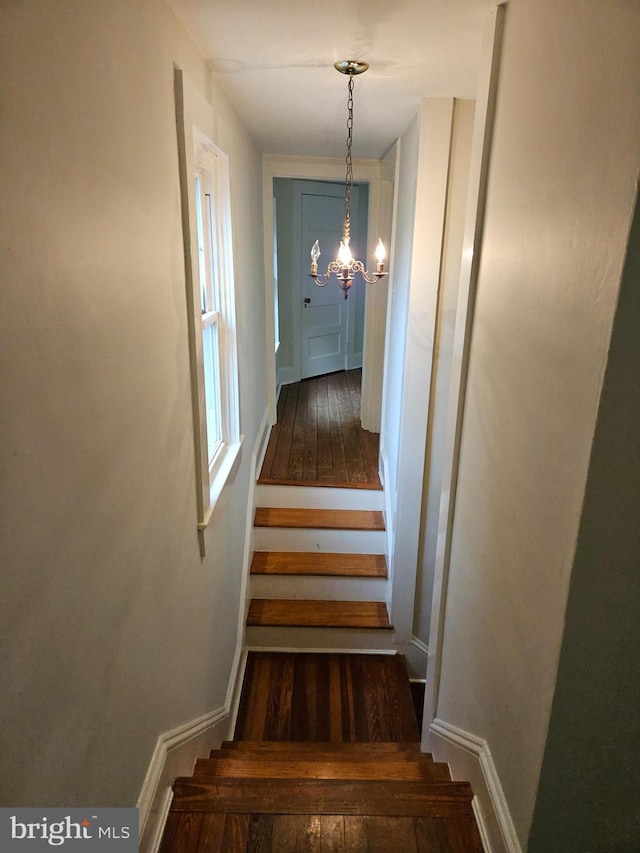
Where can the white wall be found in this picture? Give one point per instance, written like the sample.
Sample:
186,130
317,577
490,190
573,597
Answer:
433,172
458,180
114,630
560,194
585,799
400,265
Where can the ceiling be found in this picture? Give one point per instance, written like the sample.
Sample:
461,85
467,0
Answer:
274,58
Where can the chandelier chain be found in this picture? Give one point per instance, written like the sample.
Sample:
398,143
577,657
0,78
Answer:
345,267
349,175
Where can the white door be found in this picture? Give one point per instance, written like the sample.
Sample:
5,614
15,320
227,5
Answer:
324,318
330,325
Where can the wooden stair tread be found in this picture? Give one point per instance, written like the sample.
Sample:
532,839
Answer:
322,750
262,768
322,796
200,832
324,519
314,563
301,613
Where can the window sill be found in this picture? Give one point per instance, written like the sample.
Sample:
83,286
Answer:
223,473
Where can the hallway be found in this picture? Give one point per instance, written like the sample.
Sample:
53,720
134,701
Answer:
318,440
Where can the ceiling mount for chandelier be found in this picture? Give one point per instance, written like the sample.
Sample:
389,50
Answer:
345,265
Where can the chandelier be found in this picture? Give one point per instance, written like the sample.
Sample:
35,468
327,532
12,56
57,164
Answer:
345,265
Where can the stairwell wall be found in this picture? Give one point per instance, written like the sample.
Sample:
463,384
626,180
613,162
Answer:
430,211
585,799
561,189
114,629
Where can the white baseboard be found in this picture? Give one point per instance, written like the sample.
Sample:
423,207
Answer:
175,755
260,446
235,699
470,759
415,655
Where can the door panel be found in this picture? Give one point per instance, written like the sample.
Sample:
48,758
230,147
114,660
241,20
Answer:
324,320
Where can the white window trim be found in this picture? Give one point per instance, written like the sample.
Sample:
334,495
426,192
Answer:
276,307
212,475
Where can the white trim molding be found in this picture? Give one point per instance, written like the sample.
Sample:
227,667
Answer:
175,755
469,758
422,647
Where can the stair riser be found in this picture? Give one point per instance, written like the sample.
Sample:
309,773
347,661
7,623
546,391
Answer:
318,498
218,768
319,639
305,539
315,796
325,588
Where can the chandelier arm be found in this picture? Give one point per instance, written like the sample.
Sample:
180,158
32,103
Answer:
321,281
371,279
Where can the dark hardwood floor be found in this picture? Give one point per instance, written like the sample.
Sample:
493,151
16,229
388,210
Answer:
326,697
318,439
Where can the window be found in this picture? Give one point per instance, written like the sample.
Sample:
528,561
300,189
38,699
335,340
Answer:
212,304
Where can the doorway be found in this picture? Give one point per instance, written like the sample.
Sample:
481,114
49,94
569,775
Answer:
319,331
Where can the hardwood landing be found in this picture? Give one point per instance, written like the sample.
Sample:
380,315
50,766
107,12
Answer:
318,440
302,789
326,697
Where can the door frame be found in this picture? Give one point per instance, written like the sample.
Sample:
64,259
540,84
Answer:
318,169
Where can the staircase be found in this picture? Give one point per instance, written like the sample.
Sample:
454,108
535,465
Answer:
319,575
280,796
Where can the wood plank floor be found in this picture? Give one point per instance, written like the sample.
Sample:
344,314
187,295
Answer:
326,697
326,758
318,439
281,833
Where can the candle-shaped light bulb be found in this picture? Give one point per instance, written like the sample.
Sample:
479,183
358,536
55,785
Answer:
344,253
315,254
381,252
